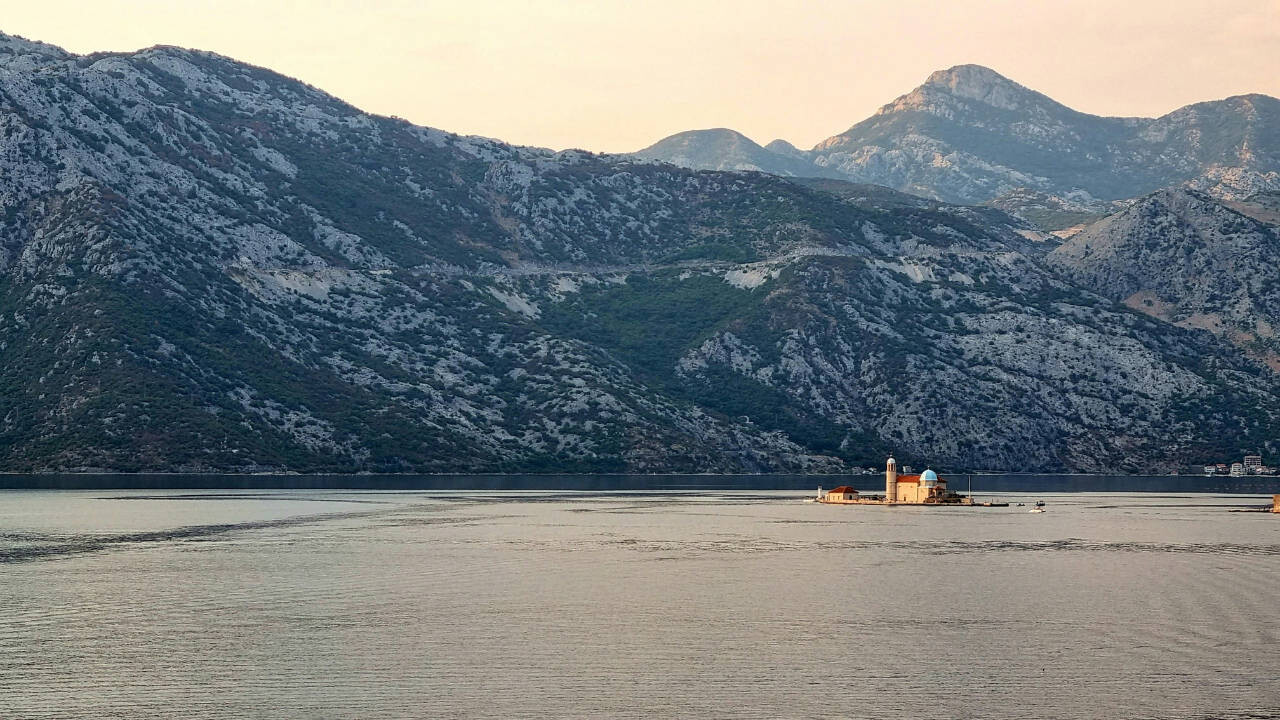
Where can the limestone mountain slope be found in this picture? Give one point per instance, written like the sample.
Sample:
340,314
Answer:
207,265
1189,259
970,135
1062,216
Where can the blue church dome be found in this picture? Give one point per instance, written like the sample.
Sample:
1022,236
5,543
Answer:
929,477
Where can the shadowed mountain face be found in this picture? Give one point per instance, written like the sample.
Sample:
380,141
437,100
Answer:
971,135
1191,260
206,265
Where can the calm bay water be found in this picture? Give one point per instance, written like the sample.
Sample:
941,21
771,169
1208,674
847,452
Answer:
389,604
1012,482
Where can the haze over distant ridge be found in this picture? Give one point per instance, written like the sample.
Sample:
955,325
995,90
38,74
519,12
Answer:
969,134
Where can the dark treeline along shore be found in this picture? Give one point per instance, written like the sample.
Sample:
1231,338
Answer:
983,484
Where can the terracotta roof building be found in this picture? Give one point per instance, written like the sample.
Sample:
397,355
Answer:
923,489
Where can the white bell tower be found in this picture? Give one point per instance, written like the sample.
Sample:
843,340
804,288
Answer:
891,480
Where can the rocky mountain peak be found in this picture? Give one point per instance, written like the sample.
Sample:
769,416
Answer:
1191,260
1184,204
971,135
782,147
720,134
961,78
725,149
1167,208
982,84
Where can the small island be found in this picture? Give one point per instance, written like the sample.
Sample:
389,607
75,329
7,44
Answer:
927,488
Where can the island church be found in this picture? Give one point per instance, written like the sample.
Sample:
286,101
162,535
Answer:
923,489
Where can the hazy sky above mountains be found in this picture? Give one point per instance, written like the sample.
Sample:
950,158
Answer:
615,75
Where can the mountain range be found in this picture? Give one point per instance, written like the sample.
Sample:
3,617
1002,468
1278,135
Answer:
205,265
970,135
1191,260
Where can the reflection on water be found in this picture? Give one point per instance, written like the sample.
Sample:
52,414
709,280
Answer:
304,604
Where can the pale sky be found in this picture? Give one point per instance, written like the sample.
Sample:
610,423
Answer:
617,75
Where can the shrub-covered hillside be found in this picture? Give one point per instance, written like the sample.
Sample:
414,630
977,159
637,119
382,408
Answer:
205,265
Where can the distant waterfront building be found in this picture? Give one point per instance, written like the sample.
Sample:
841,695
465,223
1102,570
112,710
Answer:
1237,469
1252,463
1223,468
842,494
1210,469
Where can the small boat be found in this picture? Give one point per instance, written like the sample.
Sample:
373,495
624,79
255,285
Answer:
1039,507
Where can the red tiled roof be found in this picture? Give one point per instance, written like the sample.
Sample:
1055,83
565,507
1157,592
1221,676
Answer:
841,490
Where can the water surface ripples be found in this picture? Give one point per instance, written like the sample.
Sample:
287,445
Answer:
721,605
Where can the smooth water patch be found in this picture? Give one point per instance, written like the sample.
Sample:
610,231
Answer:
293,604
